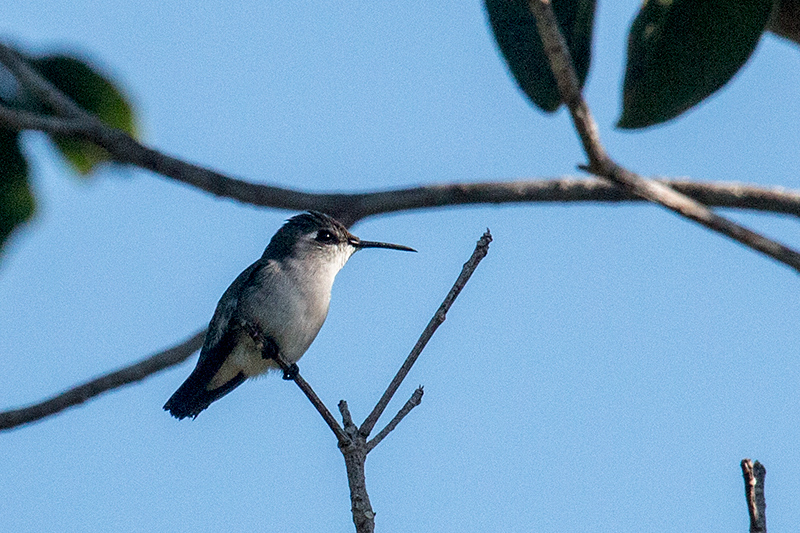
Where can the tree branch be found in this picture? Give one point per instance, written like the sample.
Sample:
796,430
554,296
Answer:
785,20
415,400
38,85
350,208
600,164
355,451
124,376
324,412
754,475
291,372
481,249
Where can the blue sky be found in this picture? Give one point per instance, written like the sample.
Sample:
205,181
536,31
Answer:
605,370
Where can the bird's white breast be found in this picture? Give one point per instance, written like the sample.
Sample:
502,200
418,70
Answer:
292,309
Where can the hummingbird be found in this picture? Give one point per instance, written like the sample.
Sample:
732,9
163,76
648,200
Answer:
275,308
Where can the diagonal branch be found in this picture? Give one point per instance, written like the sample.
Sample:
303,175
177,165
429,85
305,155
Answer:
292,373
38,85
415,400
321,408
481,249
315,400
124,376
602,165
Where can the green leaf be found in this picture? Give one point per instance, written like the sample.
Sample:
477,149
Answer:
94,93
514,28
681,51
16,201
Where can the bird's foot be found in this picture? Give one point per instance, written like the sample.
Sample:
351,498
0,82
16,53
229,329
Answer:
290,372
254,331
269,349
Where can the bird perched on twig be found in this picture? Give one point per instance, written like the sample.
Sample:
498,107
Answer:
275,308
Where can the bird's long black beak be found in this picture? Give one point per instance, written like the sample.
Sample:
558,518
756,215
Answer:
359,244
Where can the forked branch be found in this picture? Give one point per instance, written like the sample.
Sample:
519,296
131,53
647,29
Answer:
600,164
481,249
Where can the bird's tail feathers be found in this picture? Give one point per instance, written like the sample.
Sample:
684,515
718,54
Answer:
193,397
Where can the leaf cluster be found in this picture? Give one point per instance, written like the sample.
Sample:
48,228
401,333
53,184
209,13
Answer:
88,88
679,51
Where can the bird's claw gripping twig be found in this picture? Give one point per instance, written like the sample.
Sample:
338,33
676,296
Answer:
290,372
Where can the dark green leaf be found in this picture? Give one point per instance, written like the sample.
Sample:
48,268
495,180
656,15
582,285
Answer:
16,201
681,51
92,92
514,28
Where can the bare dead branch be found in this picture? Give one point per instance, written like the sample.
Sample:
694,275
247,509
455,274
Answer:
347,418
124,376
291,370
415,400
355,458
355,452
600,164
481,249
754,475
321,409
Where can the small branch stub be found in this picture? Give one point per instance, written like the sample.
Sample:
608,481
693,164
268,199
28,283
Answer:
412,402
754,475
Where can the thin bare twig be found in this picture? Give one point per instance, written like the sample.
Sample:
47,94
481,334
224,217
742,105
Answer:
347,418
481,249
291,370
321,408
355,452
77,395
754,475
415,400
602,165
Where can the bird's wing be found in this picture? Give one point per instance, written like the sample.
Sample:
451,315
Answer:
193,396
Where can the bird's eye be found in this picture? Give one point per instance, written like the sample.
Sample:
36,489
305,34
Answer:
325,236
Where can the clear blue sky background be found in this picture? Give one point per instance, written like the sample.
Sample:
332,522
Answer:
606,369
